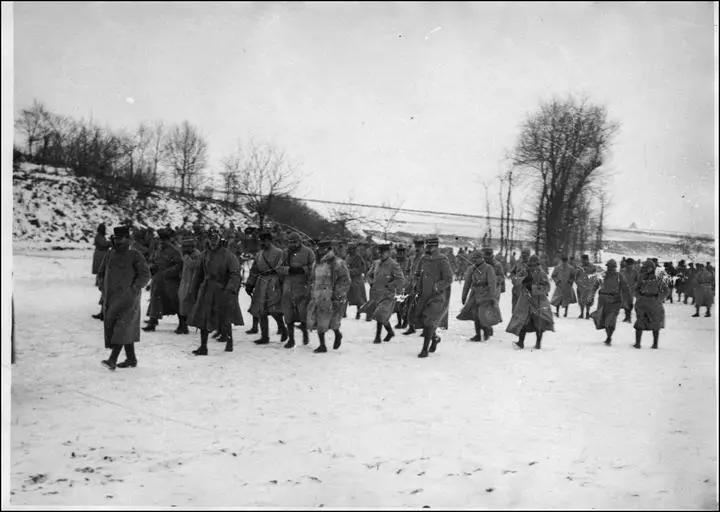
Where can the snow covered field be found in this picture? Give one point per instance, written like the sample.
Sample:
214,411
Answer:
576,424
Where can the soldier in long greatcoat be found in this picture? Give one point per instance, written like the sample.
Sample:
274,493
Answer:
166,269
123,274
192,260
704,290
563,275
520,267
409,271
101,247
265,288
329,285
630,273
357,296
479,298
587,283
532,311
386,278
612,289
296,270
216,284
433,281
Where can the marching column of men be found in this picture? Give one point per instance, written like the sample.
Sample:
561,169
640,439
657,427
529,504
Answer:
300,287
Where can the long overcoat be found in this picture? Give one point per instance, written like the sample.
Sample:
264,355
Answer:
611,296
296,271
433,282
165,282
329,285
564,276
123,275
520,268
186,298
265,281
631,275
102,245
704,288
215,286
650,292
386,279
587,283
480,296
357,295
532,311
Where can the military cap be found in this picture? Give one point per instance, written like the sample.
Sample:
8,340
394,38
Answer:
648,263
487,248
419,241
586,257
384,247
121,231
629,261
293,237
534,260
165,233
265,235
325,243
432,241
188,241
400,248
611,263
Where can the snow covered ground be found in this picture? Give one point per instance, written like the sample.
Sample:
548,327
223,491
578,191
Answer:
576,424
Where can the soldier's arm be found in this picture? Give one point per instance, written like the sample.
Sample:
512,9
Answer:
309,263
101,271
342,281
233,284
492,282
445,280
252,278
467,284
175,267
142,272
398,278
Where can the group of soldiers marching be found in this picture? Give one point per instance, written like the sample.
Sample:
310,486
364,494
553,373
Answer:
303,284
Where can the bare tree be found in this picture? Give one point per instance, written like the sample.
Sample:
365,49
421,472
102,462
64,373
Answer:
186,154
563,146
391,219
33,122
263,173
347,216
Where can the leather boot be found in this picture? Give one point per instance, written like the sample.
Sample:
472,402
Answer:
520,343
435,339
538,340
390,332
478,328
99,316
378,330
638,336
264,338
410,330
338,339
130,359
282,329
229,343
202,349
656,336
305,336
291,335
609,332
357,315
426,344
322,348
254,328
152,323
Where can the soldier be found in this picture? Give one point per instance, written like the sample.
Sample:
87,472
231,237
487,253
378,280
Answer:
479,298
497,265
671,276
409,271
401,306
192,260
613,288
681,281
532,311
650,291
704,290
101,247
166,269
587,284
357,296
385,277
123,274
216,284
329,286
521,267
564,276
433,280
296,270
691,282
263,285
631,278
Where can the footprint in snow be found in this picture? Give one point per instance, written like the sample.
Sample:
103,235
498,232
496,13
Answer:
416,491
489,489
532,463
505,472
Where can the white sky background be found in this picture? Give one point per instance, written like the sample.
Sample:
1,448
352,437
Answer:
411,103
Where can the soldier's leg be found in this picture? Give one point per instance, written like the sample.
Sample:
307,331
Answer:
434,338
707,310
478,329
566,309
291,332
638,337
487,332
264,337
357,313
582,311
398,314
538,339
410,329
305,336
282,330
378,331
111,362
151,324
322,348
697,311
202,349
338,339
656,337
130,359
254,328
609,331
520,343
390,332
557,310
426,343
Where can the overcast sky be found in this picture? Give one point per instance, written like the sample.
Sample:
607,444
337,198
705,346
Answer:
402,103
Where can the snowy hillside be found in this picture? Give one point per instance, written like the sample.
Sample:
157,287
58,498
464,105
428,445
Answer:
52,207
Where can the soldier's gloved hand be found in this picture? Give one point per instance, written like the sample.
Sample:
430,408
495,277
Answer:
249,290
463,301
147,288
